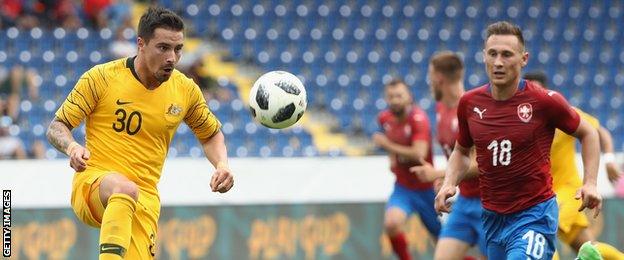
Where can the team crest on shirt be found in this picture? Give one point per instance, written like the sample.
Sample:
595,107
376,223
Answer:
174,110
525,112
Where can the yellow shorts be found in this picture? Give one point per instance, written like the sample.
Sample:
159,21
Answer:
86,203
571,221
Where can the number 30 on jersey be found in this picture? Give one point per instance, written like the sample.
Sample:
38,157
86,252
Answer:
123,124
504,157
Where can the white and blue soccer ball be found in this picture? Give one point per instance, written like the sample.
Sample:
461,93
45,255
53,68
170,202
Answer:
277,99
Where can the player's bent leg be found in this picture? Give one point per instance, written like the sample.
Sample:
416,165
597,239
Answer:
449,248
117,183
85,198
119,196
394,221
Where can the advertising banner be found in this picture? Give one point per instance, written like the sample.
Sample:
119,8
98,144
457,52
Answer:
285,231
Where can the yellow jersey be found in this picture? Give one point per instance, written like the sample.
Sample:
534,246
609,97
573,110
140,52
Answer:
129,127
563,157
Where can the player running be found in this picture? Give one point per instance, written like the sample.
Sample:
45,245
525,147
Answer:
566,180
407,139
133,107
463,227
511,122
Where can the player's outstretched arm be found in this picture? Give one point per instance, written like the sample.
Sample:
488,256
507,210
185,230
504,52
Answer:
606,144
216,152
416,152
59,135
427,173
458,165
590,152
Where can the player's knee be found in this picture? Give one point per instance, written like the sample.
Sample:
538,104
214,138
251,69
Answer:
127,187
392,226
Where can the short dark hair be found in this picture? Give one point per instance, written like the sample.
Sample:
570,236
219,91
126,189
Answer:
395,82
158,17
537,76
449,64
505,28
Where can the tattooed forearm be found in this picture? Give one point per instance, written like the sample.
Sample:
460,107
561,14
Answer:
59,135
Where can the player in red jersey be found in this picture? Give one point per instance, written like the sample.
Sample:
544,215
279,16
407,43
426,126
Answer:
511,123
407,139
462,228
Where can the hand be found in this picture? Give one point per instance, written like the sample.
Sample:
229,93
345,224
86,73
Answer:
78,156
425,172
613,173
591,198
441,203
437,184
380,139
222,180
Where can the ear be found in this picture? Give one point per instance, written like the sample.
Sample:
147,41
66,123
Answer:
141,43
525,59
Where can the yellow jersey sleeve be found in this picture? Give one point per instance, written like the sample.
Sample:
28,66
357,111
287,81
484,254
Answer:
592,120
82,100
199,118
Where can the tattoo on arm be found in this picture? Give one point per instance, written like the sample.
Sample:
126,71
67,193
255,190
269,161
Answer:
59,135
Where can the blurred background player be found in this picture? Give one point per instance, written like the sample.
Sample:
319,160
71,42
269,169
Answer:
407,139
11,147
133,107
462,228
11,83
566,180
520,211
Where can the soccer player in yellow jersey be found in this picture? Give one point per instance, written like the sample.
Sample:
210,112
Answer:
572,223
132,108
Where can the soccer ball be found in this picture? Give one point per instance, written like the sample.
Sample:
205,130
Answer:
277,99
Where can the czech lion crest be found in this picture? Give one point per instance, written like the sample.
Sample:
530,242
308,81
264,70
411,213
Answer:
525,112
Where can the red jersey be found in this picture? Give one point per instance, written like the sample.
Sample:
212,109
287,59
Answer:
415,127
512,139
447,134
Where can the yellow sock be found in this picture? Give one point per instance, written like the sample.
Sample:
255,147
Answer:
116,226
608,252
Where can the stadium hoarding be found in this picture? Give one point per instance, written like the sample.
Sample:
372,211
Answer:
271,231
